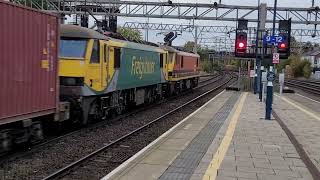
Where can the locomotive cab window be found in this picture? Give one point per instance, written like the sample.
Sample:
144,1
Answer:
95,57
117,53
161,60
181,61
73,48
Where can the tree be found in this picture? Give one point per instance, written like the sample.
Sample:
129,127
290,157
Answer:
294,44
189,45
307,70
206,65
129,33
284,63
295,65
300,67
308,46
203,52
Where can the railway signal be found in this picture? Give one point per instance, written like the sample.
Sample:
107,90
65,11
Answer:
284,47
285,31
241,44
113,23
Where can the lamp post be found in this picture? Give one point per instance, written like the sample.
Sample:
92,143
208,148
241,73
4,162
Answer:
258,59
272,69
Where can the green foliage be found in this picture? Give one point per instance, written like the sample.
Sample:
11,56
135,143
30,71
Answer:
235,63
203,53
216,67
206,64
208,67
307,70
300,67
283,63
188,46
129,33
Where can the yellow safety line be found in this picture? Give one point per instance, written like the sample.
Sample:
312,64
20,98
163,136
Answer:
218,157
300,107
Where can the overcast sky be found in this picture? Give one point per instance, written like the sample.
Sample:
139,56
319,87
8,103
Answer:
188,36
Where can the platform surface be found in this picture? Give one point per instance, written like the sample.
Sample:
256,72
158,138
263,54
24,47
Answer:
228,138
302,116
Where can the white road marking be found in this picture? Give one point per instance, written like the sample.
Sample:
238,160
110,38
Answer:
300,107
308,98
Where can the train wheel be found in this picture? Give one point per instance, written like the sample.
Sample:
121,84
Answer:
5,141
36,132
188,84
119,110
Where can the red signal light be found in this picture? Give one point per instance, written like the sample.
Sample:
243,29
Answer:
241,45
282,45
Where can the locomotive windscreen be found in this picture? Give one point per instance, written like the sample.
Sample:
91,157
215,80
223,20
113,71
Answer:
73,48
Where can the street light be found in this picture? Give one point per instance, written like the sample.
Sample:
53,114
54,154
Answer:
271,73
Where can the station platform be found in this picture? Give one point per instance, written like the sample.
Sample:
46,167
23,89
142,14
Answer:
229,139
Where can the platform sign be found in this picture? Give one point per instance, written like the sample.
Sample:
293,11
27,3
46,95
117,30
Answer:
271,76
281,78
252,73
269,40
264,76
276,58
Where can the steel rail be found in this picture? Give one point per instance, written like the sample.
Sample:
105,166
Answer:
87,157
310,86
14,154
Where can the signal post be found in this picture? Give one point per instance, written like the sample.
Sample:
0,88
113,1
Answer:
280,44
268,51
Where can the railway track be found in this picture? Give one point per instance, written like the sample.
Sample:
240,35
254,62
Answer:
309,86
32,151
99,158
17,153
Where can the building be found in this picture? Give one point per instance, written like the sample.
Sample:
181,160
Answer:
313,57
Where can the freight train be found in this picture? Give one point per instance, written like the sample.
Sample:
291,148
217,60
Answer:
60,73
102,75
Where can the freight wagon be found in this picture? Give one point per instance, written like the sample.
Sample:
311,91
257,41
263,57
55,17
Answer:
28,72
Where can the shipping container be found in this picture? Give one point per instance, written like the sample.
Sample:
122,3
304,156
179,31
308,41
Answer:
28,57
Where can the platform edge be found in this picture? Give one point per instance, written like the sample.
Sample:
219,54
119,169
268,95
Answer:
120,168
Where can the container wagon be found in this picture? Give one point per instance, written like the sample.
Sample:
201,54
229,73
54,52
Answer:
28,72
